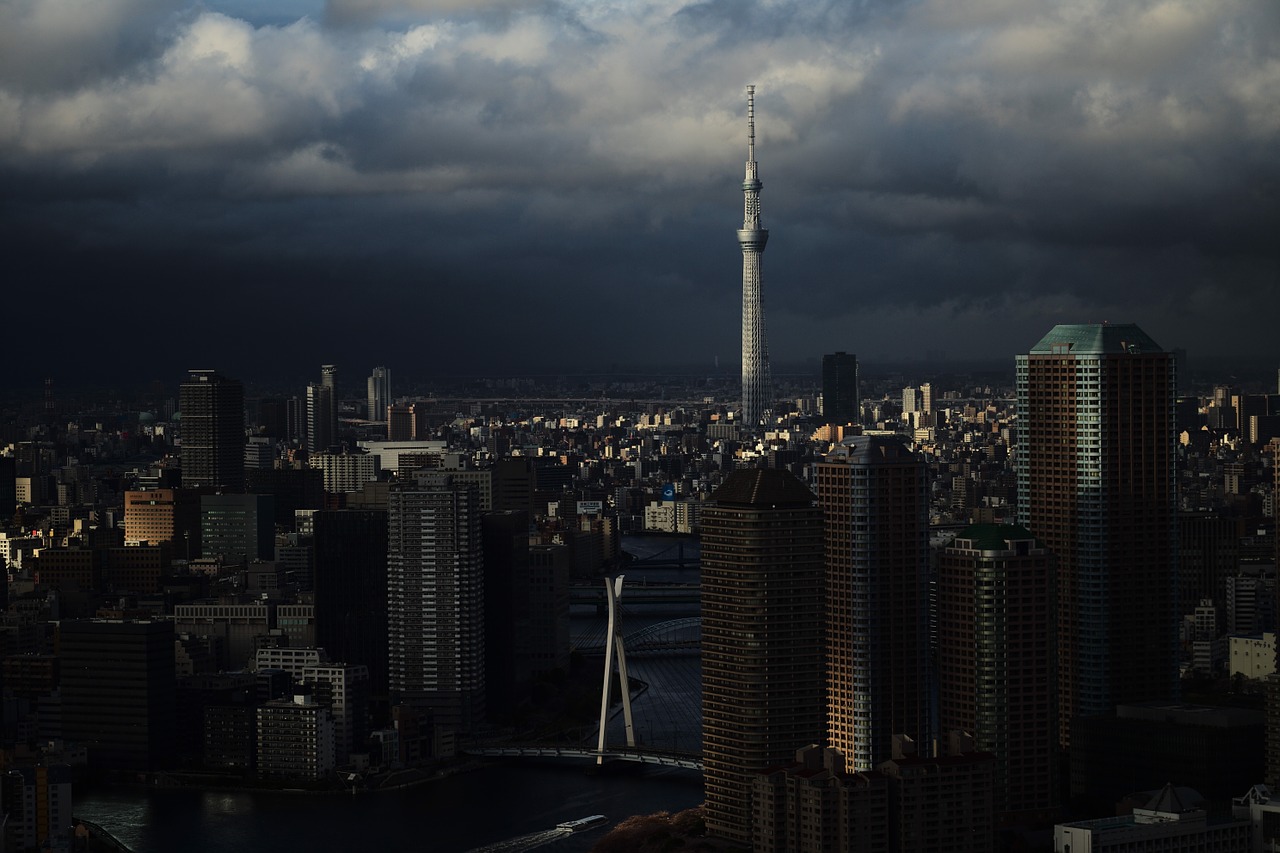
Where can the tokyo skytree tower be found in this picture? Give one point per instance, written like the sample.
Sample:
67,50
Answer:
755,349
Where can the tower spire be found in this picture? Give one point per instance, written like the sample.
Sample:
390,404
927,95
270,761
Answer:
752,238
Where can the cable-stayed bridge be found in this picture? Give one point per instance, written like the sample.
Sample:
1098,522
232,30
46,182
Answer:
659,719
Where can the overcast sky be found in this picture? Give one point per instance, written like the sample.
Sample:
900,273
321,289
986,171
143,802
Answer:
458,185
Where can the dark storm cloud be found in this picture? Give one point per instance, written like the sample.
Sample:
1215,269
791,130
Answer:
564,174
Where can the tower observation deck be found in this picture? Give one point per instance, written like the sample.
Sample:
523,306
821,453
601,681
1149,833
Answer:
756,390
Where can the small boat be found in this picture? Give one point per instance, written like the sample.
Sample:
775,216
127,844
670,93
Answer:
582,823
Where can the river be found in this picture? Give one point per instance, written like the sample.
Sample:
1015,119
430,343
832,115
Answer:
508,806
484,809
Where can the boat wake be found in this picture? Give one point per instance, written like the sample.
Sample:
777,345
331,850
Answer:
524,842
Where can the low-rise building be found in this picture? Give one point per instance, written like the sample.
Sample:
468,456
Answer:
1166,825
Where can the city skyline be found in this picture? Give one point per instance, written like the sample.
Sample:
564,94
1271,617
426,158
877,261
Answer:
559,178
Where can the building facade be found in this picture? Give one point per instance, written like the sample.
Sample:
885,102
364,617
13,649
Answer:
996,659
840,401
435,600
213,433
874,496
127,667
762,604
379,393
1095,470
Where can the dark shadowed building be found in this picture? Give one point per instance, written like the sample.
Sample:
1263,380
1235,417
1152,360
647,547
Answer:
213,435
351,589
128,668
762,604
875,501
1095,467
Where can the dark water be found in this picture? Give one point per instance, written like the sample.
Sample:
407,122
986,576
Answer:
510,806
504,807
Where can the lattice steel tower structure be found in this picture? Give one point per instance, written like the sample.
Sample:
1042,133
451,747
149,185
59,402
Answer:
755,349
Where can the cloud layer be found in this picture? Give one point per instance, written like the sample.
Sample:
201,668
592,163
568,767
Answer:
556,182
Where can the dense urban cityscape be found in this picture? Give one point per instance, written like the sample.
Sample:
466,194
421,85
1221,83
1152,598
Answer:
217,588
501,570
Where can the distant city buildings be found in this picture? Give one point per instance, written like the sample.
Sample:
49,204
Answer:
840,401
379,393
213,435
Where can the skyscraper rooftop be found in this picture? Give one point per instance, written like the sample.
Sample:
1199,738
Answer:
1097,338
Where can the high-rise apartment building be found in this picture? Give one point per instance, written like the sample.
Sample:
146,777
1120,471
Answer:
322,410
762,601
756,385
840,404
212,409
996,662
875,499
435,600
379,393
1095,468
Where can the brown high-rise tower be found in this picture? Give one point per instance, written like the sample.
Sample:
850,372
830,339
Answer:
875,498
762,602
1095,464
996,663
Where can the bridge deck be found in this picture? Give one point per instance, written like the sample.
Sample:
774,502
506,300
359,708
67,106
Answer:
640,756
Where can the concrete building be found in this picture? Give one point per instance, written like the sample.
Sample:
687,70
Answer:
874,496
379,393
1166,825
345,472
295,740
294,661
127,667
942,803
840,400
163,515
996,660
814,806
1095,471
351,589
36,800
322,417
344,688
237,528
213,433
1253,656
541,610
237,627
762,606
435,600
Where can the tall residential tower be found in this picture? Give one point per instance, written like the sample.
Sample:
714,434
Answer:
1095,464
379,383
762,605
435,599
756,391
874,493
212,431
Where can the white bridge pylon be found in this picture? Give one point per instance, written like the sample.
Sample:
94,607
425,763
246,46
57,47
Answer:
612,644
